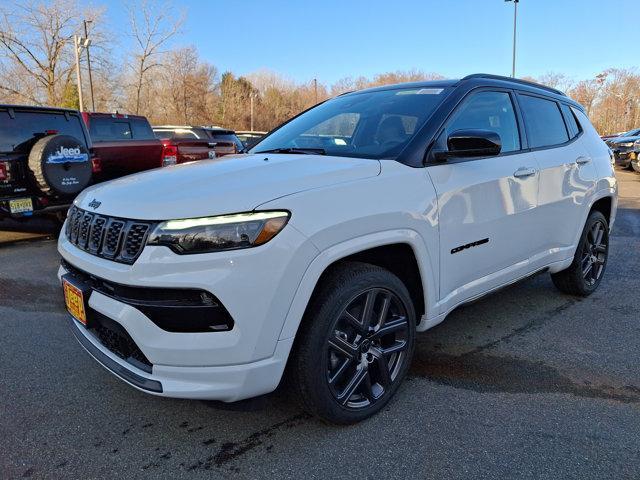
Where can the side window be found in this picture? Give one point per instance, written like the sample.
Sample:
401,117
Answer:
488,111
572,122
545,126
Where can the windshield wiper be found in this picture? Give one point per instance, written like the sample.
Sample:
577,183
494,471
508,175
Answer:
306,151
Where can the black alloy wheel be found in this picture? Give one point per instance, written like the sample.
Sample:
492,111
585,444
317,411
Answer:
594,253
355,343
585,273
367,348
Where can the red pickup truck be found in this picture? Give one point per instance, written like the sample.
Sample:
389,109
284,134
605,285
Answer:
122,144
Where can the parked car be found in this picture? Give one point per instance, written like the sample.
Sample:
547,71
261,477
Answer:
250,138
122,144
618,136
226,141
609,137
625,148
185,143
45,159
362,221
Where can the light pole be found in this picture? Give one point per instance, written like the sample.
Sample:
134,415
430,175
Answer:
79,43
86,35
515,23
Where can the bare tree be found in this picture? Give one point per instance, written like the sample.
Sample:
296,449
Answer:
36,49
153,25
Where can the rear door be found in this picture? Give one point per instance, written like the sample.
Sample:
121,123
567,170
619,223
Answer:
567,174
485,205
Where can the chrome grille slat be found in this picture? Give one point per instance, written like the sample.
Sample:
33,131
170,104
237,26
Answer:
116,239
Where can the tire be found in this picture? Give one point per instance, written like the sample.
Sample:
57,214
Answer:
591,257
334,351
61,165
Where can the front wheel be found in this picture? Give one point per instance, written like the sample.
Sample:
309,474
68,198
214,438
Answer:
585,272
355,344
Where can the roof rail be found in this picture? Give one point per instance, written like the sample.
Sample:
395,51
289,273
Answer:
515,80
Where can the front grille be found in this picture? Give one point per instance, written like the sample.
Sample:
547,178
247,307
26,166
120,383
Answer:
117,239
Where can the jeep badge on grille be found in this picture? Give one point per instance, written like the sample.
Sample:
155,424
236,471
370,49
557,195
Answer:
94,204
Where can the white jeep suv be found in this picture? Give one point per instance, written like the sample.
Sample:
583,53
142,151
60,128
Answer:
345,231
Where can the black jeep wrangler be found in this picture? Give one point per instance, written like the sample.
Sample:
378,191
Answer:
45,159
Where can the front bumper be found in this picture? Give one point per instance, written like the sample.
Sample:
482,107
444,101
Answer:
255,285
226,383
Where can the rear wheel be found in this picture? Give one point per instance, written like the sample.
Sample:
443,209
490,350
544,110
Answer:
585,273
355,344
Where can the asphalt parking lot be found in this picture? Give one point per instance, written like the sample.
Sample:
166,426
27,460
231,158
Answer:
526,383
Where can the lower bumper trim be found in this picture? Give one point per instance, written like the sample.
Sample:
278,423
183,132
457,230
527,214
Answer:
131,377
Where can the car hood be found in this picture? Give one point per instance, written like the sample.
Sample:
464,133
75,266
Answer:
230,184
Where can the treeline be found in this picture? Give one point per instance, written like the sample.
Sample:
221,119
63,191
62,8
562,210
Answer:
171,84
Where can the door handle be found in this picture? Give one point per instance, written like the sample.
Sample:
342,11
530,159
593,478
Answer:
524,172
582,160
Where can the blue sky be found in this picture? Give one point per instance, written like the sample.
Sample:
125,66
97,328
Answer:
331,39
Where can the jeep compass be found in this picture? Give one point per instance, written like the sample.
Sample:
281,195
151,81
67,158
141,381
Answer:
323,251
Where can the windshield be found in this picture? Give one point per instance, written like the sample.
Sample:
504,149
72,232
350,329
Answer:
369,125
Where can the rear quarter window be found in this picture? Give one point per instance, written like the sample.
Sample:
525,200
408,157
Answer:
572,122
20,133
544,123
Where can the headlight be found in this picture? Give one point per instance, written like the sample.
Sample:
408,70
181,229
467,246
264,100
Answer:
636,143
214,234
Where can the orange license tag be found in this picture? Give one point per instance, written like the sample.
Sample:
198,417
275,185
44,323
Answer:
75,302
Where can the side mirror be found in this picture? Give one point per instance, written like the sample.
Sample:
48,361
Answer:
470,143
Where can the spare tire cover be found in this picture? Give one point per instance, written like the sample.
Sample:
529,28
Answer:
60,165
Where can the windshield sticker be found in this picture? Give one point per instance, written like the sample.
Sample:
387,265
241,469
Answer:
429,91
422,91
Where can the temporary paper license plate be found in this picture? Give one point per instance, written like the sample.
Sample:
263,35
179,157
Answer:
21,205
75,301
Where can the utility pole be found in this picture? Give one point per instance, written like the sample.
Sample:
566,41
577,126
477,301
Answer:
515,23
315,90
76,44
86,35
252,95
